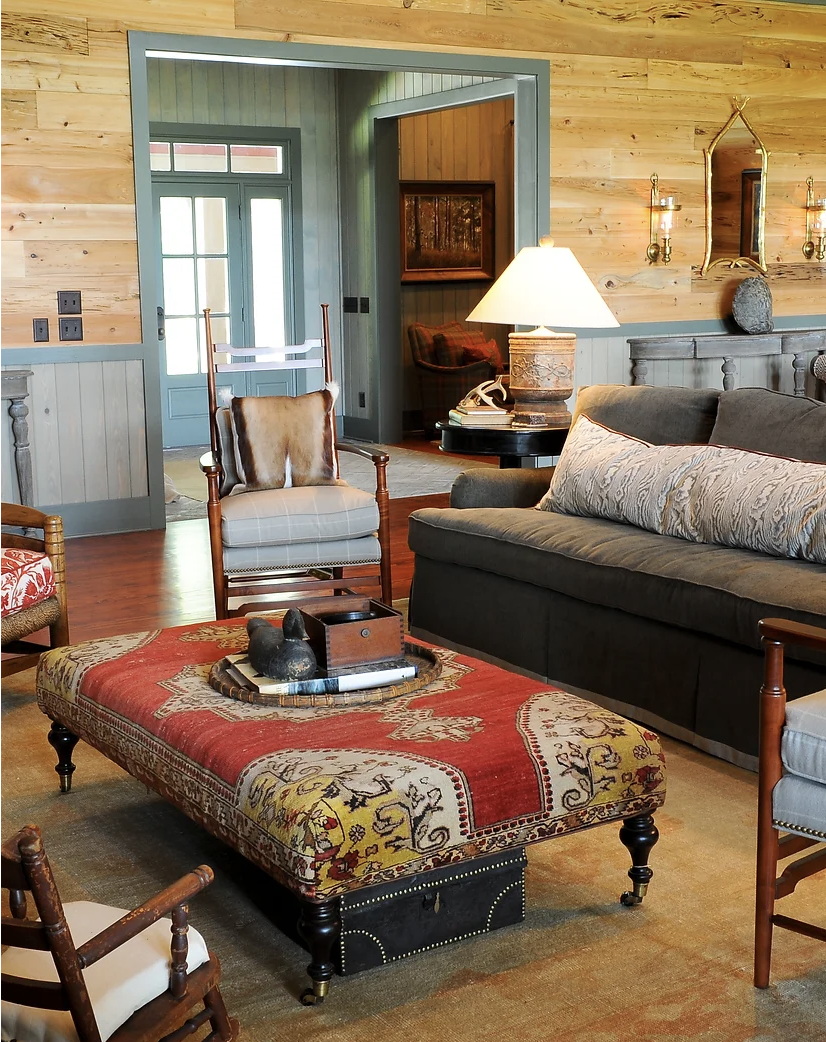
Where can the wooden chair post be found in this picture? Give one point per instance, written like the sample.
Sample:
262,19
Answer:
772,716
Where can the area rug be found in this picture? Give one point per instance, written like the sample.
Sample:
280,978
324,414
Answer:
409,473
580,966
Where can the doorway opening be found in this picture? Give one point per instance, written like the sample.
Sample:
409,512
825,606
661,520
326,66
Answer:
350,243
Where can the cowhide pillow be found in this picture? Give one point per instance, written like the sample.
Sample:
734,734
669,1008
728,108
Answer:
280,441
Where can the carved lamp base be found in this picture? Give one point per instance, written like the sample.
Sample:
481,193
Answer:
541,377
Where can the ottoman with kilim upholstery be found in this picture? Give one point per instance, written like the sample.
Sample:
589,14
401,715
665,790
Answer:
329,801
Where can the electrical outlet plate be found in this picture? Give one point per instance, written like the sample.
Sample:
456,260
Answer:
71,328
68,303
351,305
40,330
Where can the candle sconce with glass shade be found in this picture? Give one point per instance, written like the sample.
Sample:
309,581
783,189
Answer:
543,285
815,244
662,210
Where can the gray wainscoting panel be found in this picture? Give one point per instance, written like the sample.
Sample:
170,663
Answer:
87,433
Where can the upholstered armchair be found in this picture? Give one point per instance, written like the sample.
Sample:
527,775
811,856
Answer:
33,585
791,813
281,521
442,386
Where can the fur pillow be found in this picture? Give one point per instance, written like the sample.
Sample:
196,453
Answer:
280,441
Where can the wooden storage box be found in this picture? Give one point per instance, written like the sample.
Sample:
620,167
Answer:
386,923
339,641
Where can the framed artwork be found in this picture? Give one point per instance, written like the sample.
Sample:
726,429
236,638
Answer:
751,185
447,231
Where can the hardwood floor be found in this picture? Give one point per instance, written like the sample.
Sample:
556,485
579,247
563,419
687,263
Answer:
148,580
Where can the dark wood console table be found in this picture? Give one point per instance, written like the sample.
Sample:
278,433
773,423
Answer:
794,342
510,444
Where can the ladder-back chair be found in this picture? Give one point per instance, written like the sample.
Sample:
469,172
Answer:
88,972
277,524
791,809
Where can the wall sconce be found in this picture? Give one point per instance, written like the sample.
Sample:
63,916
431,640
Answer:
815,244
663,208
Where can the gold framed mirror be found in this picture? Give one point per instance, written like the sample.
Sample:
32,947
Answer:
736,170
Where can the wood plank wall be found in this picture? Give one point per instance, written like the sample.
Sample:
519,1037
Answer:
635,88
463,144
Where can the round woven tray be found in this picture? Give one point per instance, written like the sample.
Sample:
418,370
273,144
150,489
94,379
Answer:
429,668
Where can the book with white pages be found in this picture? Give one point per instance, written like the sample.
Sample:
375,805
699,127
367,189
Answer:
358,678
499,418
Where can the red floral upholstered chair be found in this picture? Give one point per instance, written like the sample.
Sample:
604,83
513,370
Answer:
33,585
443,385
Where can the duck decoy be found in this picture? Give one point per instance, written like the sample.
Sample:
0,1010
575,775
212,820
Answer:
282,654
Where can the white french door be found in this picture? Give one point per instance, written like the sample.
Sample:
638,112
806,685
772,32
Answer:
227,246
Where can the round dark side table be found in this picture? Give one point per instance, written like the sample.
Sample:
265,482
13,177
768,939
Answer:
510,444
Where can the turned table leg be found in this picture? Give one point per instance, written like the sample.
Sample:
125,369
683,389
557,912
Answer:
63,742
639,835
319,925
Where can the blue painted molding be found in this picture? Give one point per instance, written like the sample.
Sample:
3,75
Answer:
56,355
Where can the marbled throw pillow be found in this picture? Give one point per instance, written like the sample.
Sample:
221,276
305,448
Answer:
602,473
703,493
754,501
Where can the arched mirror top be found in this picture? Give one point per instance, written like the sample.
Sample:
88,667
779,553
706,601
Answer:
736,164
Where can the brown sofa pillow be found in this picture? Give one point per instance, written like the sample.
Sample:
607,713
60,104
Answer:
281,441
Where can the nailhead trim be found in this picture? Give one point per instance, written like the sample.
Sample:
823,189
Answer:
431,884
799,828
425,886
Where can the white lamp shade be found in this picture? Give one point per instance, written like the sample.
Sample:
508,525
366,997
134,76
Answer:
544,286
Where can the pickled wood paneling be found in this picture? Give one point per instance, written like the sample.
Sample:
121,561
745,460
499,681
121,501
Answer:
87,431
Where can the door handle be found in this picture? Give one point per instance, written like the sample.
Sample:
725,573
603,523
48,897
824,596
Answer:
161,325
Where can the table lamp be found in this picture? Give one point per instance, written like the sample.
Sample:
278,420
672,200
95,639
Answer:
543,285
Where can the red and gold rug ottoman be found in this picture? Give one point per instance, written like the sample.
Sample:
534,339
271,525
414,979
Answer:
334,800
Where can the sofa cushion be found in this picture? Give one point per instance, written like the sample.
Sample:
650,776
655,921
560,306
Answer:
715,590
660,415
705,493
788,425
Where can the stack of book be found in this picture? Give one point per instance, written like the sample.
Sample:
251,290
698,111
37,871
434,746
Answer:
348,678
480,416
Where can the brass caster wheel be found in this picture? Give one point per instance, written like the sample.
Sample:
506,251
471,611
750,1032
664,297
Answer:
630,900
309,997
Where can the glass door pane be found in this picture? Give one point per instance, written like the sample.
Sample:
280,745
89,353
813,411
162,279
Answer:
267,247
195,271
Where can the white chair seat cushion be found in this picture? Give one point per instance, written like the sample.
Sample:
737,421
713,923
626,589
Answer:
803,747
247,559
799,805
121,983
306,514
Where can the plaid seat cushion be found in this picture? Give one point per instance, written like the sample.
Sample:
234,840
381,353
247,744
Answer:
27,578
242,560
303,514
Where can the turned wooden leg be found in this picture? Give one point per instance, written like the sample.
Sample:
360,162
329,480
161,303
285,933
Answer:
63,742
224,1027
319,925
639,835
